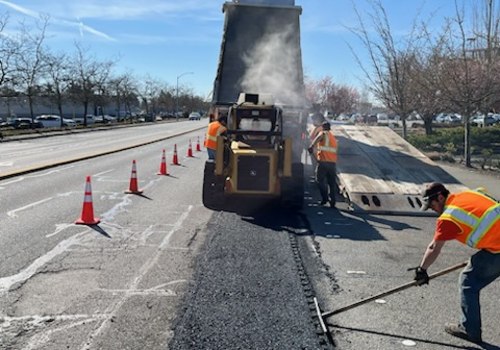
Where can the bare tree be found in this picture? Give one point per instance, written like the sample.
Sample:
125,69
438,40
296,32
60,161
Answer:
88,77
30,64
8,49
390,75
332,97
468,69
57,79
149,92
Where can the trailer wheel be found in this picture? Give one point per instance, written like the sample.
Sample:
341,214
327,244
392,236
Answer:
213,188
292,196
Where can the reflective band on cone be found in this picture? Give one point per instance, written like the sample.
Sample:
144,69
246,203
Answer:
190,150
133,188
175,160
198,148
87,217
163,165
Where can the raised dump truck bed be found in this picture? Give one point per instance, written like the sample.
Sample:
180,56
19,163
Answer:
260,52
380,172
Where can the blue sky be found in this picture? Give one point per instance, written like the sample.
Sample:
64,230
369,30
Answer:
166,38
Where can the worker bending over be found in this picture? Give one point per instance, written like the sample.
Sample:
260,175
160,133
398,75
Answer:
472,218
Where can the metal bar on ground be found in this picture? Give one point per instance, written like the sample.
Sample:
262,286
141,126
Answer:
391,291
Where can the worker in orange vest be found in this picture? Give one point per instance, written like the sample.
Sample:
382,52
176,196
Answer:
326,169
472,218
215,128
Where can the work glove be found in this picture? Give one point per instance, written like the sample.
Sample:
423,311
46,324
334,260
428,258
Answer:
421,275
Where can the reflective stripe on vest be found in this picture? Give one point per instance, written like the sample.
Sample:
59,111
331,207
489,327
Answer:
461,215
214,130
487,221
327,148
475,228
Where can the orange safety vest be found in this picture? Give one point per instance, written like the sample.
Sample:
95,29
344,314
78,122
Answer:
214,129
327,148
477,215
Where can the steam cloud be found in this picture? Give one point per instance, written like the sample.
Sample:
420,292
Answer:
274,66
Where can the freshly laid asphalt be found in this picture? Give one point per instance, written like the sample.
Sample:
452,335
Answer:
247,292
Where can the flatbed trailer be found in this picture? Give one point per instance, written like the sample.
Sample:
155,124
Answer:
380,172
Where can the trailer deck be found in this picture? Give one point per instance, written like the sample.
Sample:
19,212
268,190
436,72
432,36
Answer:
380,172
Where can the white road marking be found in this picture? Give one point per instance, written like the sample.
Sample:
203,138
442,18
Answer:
59,228
102,173
12,213
7,282
114,307
408,342
131,292
45,318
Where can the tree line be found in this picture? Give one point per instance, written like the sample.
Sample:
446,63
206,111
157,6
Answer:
428,71
30,69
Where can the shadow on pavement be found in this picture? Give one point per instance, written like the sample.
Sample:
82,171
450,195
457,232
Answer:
484,345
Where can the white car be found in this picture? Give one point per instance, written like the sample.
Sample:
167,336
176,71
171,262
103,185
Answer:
90,119
194,116
483,120
54,121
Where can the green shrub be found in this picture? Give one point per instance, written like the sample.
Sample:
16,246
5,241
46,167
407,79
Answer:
451,140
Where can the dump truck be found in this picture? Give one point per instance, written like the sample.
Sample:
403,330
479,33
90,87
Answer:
259,87
260,73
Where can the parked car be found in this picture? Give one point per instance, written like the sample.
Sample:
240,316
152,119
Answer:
194,116
24,123
495,116
483,120
448,118
54,121
105,119
90,119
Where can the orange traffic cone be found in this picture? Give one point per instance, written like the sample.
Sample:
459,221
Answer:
87,217
163,165
190,150
198,148
133,188
175,160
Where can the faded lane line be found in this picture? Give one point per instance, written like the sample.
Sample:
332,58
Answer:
115,307
130,292
7,282
39,318
12,213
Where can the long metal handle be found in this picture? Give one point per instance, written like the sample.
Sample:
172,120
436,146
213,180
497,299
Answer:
391,291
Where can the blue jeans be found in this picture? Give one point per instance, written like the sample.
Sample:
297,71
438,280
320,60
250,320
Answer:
211,153
482,269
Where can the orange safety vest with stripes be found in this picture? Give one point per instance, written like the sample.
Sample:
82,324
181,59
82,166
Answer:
327,148
477,215
214,129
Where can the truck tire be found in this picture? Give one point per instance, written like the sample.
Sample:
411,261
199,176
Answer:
292,196
213,188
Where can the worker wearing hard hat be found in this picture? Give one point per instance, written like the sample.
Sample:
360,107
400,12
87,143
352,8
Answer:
215,128
472,218
326,170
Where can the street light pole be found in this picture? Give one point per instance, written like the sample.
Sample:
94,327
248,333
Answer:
177,94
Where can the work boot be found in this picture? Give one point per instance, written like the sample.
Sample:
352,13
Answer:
323,202
332,204
460,332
